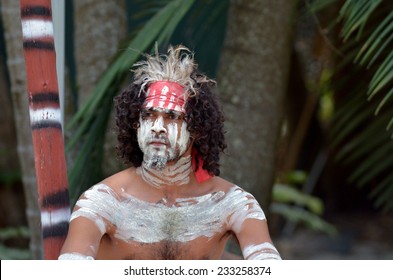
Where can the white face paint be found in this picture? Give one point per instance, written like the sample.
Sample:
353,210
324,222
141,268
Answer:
162,137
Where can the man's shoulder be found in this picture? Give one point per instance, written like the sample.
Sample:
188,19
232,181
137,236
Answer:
120,180
224,185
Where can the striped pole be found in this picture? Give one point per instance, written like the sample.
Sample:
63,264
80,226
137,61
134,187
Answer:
45,118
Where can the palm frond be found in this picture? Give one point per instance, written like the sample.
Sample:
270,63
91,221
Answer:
364,114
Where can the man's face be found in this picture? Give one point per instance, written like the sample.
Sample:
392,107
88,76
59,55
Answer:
162,136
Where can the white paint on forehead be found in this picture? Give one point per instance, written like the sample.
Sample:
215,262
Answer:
191,218
261,251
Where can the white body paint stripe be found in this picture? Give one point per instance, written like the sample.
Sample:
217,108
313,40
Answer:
261,251
177,174
265,256
147,222
87,213
55,217
75,256
47,114
34,29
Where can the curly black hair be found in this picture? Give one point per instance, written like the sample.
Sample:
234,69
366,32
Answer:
204,118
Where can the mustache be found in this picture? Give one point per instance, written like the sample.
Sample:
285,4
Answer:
158,138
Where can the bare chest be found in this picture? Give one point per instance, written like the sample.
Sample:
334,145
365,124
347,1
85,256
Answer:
200,248
135,220
189,228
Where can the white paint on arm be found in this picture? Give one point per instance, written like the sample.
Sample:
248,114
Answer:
248,221
244,206
263,251
75,256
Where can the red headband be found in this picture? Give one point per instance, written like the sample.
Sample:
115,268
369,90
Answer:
165,95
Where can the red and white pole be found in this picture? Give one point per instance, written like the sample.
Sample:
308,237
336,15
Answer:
45,117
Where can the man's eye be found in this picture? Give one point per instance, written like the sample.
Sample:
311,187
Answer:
146,115
173,116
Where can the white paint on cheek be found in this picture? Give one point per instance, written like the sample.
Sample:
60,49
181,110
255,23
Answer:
172,138
143,133
183,138
178,140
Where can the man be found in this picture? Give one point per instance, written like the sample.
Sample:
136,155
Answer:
170,204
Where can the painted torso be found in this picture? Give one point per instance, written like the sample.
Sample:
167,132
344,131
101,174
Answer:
134,228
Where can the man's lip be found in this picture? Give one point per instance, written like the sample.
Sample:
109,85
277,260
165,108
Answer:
157,142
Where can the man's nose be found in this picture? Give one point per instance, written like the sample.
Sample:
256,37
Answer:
158,126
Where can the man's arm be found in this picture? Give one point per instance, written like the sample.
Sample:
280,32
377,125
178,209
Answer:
89,222
83,240
255,241
247,220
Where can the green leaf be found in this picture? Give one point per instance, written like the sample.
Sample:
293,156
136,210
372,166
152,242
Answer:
374,41
289,194
382,77
299,215
384,100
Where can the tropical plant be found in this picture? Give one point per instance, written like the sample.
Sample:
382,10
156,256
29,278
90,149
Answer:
363,79
299,207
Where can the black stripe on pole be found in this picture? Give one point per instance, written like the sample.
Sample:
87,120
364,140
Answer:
57,230
56,200
36,11
45,97
46,124
34,44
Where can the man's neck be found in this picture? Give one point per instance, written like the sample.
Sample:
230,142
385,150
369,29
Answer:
175,174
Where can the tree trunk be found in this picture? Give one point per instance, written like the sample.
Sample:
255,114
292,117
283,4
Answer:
8,159
10,10
252,81
100,26
12,212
